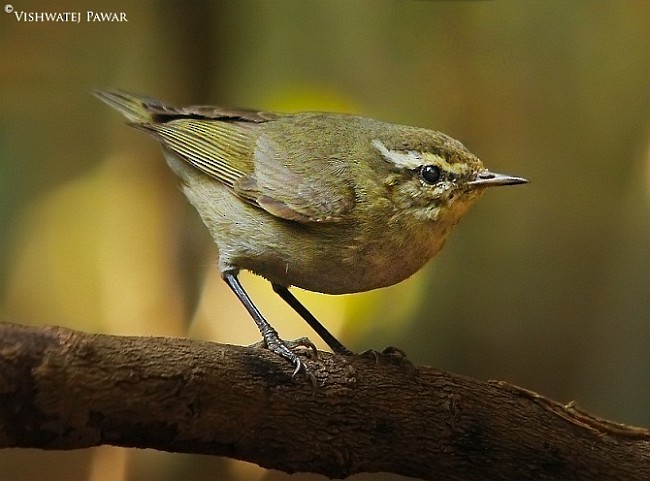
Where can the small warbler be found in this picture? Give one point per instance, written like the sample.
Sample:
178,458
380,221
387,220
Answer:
327,202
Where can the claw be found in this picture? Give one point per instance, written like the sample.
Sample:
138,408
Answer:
394,351
284,349
303,342
300,366
390,351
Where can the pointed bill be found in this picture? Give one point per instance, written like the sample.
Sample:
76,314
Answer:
491,179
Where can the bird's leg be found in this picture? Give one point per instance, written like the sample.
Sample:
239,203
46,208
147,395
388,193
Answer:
325,335
269,335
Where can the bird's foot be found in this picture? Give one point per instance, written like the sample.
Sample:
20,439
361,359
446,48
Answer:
285,349
390,351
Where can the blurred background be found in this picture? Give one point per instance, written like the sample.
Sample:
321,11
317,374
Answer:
546,286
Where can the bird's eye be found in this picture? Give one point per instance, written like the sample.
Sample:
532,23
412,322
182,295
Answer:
430,173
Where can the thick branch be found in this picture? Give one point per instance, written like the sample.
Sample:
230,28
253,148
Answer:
61,389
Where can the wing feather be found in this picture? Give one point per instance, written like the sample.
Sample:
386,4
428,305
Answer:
291,186
290,171
219,149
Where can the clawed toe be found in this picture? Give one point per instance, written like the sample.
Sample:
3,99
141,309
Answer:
390,351
285,349
301,366
394,351
302,342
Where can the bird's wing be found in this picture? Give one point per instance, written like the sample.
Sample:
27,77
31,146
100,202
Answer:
258,170
310,187
230,146
219,149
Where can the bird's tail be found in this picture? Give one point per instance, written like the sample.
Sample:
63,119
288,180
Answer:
138,109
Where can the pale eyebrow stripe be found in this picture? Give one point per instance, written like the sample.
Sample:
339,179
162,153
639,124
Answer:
406,160
412,160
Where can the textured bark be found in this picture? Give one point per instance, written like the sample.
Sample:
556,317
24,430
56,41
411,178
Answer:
61,389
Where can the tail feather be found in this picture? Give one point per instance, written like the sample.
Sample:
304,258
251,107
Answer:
137,109
144,110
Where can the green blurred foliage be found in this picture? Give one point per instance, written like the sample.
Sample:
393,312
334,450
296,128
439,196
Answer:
546,286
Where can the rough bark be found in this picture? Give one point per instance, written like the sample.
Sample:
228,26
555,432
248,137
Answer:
61,389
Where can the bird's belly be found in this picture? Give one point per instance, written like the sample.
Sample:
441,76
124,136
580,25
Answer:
342,267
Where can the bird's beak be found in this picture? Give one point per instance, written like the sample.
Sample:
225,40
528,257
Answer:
490,179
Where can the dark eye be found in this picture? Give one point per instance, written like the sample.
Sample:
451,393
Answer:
430,173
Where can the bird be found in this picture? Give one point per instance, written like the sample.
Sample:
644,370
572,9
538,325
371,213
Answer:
327,202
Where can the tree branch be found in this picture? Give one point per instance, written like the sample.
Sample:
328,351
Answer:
61,389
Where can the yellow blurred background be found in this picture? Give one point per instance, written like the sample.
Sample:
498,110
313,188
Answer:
546,286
